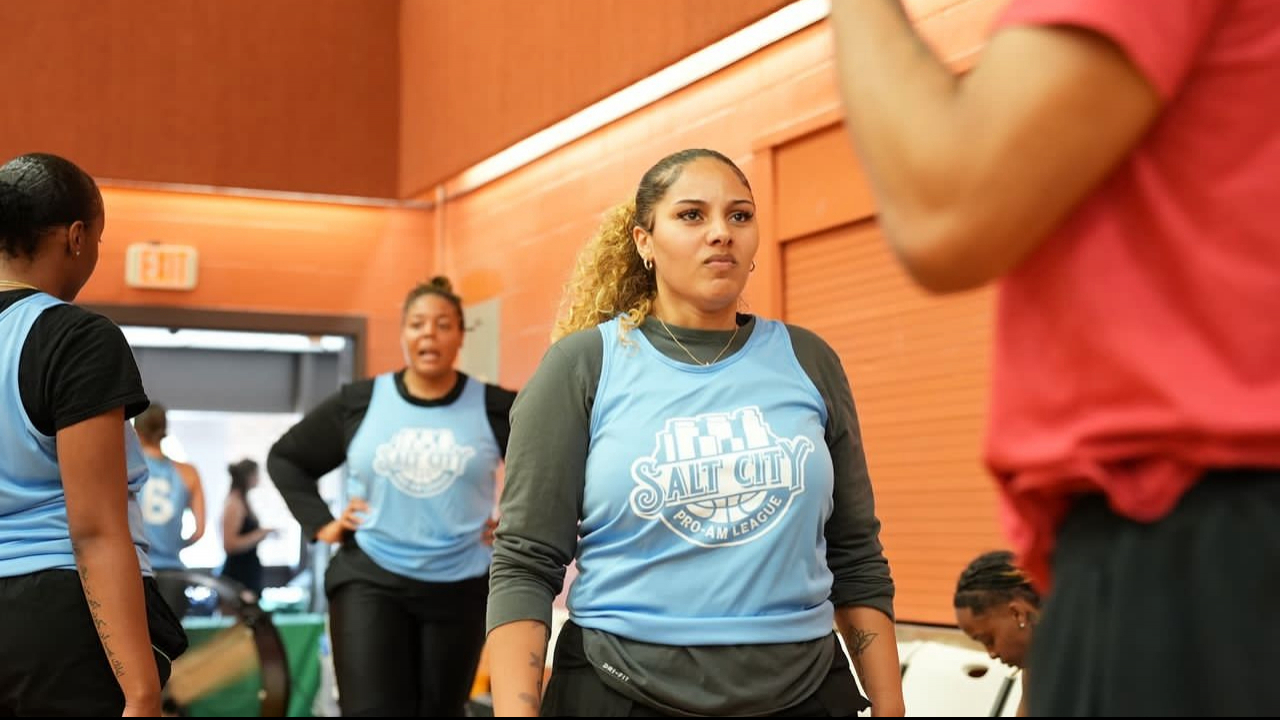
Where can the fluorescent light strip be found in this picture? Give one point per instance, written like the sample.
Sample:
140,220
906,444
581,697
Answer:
713,58
192,339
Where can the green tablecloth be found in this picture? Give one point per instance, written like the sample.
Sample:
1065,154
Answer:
301,634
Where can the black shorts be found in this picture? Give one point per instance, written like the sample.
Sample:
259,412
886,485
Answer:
575,690
1180,617
53,662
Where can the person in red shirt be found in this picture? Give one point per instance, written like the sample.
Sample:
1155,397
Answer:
1116,167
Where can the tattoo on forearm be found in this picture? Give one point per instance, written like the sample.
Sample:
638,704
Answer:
535,661
530,700
117,665
860,641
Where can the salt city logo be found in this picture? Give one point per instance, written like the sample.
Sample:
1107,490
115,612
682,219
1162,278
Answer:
422,462
719,479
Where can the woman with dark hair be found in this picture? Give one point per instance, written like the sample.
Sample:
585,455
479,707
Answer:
997,606
422,447
82,623
241,533
704,469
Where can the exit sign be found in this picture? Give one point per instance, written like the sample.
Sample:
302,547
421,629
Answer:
158,266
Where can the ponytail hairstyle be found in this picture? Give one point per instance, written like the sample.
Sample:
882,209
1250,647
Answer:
240,473
40,192
610,278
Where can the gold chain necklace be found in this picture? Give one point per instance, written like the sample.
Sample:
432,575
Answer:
15,285
691,355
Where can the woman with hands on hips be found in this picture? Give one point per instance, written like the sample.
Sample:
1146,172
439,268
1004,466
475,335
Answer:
408,585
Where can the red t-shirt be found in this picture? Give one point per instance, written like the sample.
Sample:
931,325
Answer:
1139,345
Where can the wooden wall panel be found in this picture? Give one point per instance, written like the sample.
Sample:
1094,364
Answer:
291,95
918,368
482,74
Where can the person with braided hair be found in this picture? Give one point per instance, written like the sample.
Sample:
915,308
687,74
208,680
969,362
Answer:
997,606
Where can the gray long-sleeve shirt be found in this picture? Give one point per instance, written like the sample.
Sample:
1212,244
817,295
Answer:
542,502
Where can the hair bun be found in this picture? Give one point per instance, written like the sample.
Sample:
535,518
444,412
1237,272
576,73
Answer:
440,282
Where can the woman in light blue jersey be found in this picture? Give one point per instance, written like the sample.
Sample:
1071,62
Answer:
83,629
704,469
171,489
422,447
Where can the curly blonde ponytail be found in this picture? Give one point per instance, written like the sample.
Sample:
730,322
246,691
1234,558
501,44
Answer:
609,279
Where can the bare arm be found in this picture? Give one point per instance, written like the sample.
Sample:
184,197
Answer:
92,460
971,173
196,491
233,514
873,647
517,659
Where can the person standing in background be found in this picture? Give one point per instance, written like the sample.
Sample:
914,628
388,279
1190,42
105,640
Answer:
83,627
171,488
241,532
422,447
1113,164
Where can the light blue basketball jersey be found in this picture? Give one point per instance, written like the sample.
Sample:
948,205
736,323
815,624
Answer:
429,476
163,500
707,491
34,535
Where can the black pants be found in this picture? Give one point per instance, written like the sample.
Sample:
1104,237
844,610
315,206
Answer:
1176,618
51,660
399,653
576,690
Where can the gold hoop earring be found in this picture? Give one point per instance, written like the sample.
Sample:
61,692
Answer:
648,264
753,266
